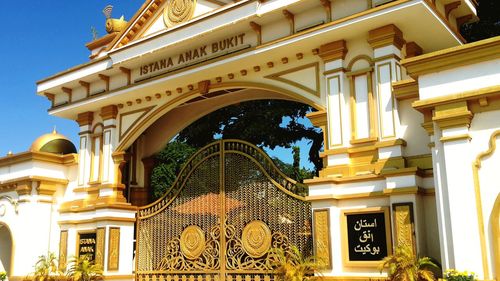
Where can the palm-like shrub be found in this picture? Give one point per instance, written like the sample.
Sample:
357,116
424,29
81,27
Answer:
291,265
405,266
83,269
46,268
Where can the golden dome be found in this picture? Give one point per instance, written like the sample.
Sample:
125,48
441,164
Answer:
53,143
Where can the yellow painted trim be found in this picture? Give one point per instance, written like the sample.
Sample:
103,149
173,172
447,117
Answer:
456,138
405,89
495,231
374,194
277,76
359,178
487,92
67,160
400,172
356,149
403,190
100,219
454,57
476,165
145,111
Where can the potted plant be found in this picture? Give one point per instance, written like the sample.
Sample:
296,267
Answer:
3,275
454,275
83,269
291,265
405,266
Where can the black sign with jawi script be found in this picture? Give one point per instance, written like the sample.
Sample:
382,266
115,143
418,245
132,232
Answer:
87,245
366,235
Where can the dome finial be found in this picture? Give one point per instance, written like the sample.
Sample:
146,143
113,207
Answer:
54,131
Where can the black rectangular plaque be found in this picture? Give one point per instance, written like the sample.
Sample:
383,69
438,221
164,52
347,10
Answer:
366,236
87,245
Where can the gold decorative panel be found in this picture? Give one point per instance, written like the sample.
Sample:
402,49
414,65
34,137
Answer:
227,208
114,248
63,249
322,243
404,226
100,237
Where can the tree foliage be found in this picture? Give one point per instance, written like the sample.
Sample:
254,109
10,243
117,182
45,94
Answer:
265,123
489,22
169,163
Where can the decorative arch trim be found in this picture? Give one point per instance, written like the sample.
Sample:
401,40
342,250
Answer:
148,119
476,165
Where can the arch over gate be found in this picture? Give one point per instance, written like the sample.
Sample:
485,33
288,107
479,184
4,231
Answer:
227,208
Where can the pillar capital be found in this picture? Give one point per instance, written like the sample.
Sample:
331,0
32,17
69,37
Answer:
318,118
386,36
109,112
333,50
85,118
413,50
452,115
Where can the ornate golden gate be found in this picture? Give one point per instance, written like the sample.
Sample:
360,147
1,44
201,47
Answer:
227,208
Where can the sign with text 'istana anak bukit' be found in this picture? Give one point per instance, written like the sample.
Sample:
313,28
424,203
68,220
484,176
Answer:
194,55
367,237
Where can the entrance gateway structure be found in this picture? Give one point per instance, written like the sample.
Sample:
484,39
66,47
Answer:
409,116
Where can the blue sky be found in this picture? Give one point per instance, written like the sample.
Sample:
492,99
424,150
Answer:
41,38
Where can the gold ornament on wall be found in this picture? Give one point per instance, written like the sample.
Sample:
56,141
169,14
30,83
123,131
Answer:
178,11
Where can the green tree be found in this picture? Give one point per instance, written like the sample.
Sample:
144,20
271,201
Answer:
265,123
405,266
169,162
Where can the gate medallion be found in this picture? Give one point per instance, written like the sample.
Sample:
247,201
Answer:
256,239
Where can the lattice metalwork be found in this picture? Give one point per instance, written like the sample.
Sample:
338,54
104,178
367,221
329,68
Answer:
228,207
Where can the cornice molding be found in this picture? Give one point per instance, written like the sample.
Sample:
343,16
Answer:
453,57
68,159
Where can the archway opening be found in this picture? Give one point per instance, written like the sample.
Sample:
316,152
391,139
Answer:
272,121
5,249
